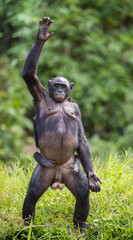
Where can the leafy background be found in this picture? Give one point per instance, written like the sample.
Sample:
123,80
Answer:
92,47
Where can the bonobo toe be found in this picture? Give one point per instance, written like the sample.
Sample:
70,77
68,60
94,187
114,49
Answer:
84,228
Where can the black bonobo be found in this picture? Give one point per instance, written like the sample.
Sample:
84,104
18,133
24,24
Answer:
59,133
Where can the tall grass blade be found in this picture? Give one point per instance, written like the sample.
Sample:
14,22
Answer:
30,230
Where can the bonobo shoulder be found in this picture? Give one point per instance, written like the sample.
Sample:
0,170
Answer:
77,110
69,99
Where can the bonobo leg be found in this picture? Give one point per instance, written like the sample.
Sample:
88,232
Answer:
77,183
41,179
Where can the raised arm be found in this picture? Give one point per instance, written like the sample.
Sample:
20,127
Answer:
85,157
32,61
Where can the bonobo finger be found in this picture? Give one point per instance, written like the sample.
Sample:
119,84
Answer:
51,34
50,165
52,161
41,21
94,187
91,187
70,167
99,180
49,22
97,188
45,19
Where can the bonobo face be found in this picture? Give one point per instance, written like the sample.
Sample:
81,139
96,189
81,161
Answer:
59,88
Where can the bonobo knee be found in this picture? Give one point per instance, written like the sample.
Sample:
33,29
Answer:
82,192
82,187
33,194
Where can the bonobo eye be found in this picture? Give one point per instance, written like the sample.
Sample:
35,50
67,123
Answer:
63,86
56,85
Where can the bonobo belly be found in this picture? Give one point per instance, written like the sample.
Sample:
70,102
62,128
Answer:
59,144
58,147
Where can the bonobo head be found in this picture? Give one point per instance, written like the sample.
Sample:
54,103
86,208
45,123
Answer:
59,88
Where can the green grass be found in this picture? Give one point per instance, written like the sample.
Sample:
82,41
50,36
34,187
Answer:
111,210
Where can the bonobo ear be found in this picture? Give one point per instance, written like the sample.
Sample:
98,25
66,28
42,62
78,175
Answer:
71,87
49,84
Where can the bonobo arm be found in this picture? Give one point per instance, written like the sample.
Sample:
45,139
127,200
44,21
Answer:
85,157
43,161
32,61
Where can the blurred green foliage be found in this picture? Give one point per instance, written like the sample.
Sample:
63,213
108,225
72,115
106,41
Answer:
92,47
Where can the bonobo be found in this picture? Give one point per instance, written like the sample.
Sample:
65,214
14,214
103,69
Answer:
59,133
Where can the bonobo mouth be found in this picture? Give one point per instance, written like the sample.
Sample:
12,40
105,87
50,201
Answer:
59,98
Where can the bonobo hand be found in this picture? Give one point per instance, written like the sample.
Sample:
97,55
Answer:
43,161
44,25
48,163
74,167
93,179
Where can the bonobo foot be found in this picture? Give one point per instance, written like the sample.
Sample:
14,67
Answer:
44,25
93,179
43,161
27,221
83,227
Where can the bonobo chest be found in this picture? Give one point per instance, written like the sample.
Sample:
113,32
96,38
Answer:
56,110
55,119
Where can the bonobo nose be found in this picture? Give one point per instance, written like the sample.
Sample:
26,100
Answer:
60,91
